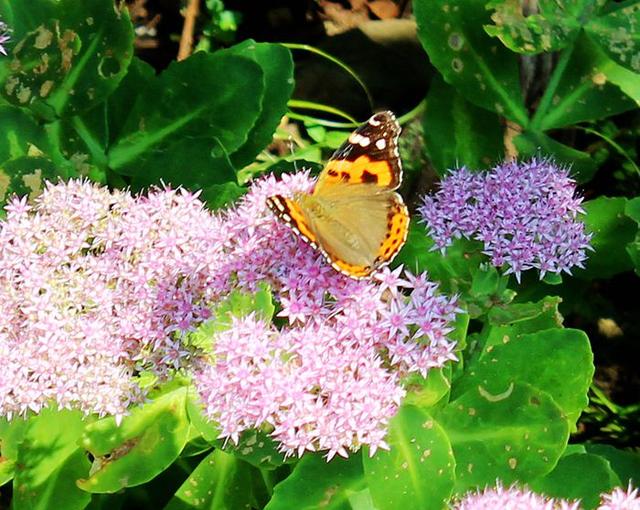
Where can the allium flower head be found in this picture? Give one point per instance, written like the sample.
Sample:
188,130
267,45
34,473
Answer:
511,498
330,379
4,37
525,214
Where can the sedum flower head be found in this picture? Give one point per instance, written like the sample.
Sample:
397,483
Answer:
100,286
97,287
329,379
516,498
525,214
620,499
4,37
511,498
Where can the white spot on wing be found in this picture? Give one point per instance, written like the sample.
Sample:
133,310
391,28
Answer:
381,144
364,141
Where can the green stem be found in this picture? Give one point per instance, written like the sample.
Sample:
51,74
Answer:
613,144
331,58
554,81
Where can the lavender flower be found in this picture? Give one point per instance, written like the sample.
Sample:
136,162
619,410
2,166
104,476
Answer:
98,286
525,214
4,37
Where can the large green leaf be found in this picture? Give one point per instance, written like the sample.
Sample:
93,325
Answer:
518,434
480,69
617,32
21,135
67,55
49,462
625,464
558,362
203,107
25,176
632,209
277,66
584,91
458,133
535,143
11,434
579,476
554,26
220,482
612,230
418,469
141,447
316,483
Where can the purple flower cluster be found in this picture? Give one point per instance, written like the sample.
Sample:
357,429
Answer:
515,498
525,214
4,37
98,287
330,379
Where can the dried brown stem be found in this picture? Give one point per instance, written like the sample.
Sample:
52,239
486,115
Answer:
186,39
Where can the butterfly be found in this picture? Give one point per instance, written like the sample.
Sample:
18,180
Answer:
354,216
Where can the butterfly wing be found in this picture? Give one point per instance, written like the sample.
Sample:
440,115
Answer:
369,156
359,227
353,216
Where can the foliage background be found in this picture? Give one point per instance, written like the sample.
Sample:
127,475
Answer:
96,92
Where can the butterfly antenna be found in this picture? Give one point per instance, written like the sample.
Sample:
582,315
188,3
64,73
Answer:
291,149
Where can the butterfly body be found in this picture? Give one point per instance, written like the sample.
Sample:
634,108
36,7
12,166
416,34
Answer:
353,215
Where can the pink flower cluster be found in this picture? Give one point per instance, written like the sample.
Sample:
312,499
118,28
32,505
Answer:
330,378
97,287
515,498
4,37
525,214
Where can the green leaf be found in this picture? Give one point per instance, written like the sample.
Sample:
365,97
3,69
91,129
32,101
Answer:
221,196
480,68
515,319
426,393
578,476
558,362
21,134
612,230
421,460
220,482
552,28
584,91
277,66
632,209
25,176
625,464
49,462
617,34
67,55
205,107
136,451
516,435
454,269
316,483
11,435
458,133
535,143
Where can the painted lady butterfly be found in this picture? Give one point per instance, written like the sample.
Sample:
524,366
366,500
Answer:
354,216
